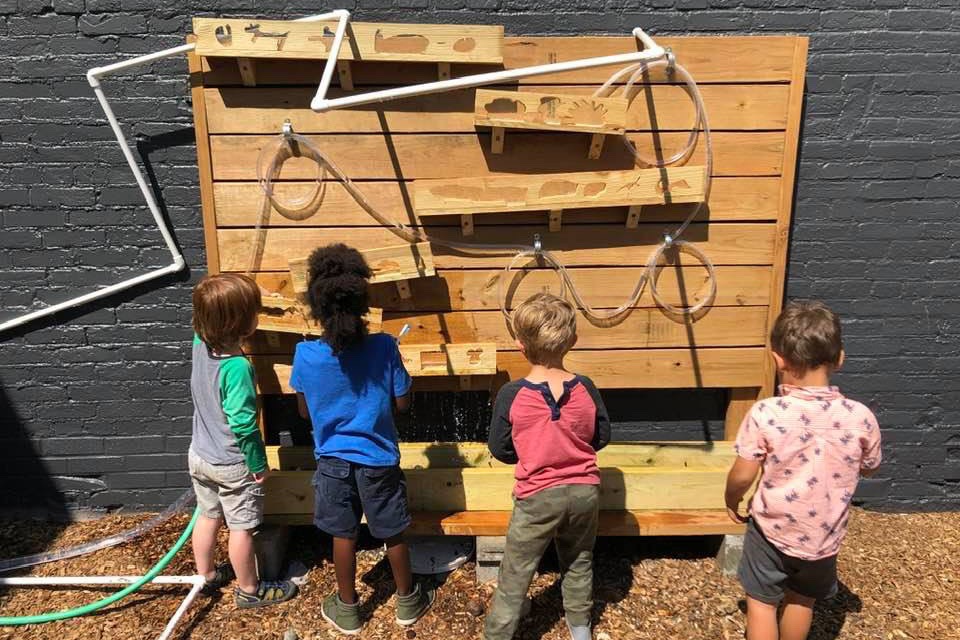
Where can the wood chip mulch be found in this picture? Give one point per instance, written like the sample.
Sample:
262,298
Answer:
900,579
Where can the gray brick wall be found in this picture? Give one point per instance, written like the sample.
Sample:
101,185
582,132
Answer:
94,405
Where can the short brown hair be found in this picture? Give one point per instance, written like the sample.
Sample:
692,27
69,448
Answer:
225,307
546,326
807,335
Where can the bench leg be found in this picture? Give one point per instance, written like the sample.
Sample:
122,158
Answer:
489,556
270,544
728,558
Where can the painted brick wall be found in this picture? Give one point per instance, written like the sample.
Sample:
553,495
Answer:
94,407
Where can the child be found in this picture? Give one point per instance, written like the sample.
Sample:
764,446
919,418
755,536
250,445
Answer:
346,383
227,459
812,445
550,424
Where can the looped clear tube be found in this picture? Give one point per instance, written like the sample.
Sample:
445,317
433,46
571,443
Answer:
654,263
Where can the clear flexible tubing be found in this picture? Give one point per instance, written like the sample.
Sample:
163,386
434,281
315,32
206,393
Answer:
119,595
184,501
281,150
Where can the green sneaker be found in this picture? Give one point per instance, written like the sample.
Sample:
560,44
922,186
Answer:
268,593
412,606
344,617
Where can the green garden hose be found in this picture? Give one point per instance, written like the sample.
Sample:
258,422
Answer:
119,595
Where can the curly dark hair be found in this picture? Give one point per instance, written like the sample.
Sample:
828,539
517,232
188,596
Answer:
338,294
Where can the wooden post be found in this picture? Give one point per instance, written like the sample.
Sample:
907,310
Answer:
596,146
785,210
496,143
346,76
443,71
556,219
247,71
204,162
403,288
633,216
466,225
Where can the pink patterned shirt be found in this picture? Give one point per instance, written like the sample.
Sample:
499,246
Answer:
812,443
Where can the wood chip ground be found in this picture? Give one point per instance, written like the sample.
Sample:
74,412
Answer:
900,579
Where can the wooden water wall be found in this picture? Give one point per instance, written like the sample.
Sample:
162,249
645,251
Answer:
752,88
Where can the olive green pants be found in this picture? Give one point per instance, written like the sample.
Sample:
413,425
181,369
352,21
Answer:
568,515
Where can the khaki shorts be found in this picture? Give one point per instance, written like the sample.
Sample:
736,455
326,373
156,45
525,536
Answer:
227,491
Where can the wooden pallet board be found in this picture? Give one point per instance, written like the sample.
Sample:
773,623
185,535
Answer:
283,314
608,368
238,204
589,245
233,110
554,111
710,59
388,264
376,157
689,522
236,37
558,191
476,455
602,288
622,488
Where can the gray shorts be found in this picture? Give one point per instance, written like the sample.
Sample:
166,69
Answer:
227,491
766,572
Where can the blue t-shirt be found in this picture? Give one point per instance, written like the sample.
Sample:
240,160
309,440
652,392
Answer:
350,398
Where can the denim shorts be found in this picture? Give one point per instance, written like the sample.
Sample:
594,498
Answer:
227,491
346,491
766,572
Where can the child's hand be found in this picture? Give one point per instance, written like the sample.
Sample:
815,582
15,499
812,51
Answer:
260,477
734,513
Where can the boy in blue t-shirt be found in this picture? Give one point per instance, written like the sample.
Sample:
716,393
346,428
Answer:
346,384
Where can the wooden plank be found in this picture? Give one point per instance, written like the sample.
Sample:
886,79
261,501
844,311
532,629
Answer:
461,455
630,488
554,111
642,329
410,157
473,358
782,236
741,400
238,205
663,107
388,264
589,245
601,288
289,315
559,190
612,523
397,42
609,369
204,164
727,59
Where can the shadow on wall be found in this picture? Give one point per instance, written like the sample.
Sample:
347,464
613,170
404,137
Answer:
29,487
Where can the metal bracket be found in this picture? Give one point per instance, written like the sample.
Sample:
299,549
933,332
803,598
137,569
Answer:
671,60
287,129
537,244
667,240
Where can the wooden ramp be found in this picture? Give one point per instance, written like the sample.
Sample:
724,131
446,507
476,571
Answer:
416,159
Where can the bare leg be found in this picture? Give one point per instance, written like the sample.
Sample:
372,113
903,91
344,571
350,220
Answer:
345,565
398,553
761,620
797,616
243,560
204,541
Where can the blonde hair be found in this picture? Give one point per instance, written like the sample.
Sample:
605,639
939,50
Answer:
225,307
546,326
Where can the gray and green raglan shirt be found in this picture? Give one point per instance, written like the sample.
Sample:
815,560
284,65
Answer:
225,427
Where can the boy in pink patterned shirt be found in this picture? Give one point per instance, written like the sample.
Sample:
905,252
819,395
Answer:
812,445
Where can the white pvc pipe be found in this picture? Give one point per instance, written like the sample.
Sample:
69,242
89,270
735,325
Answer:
93,77
320,103
197,581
